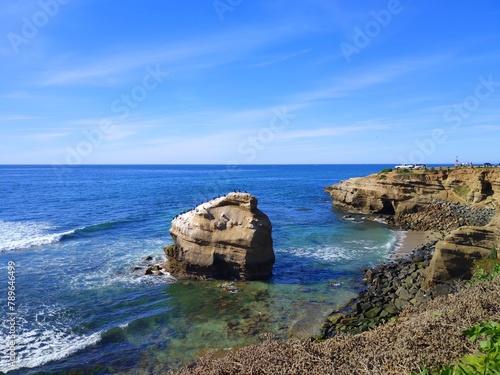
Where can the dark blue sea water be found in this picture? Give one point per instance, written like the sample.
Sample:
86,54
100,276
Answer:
74,238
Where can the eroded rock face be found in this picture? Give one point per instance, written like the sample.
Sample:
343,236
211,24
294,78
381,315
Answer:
455,255
461,202
226,238
415,200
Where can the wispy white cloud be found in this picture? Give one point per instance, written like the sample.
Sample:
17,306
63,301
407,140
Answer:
19,94
46,136
200,53
280,59
487,128
363,78
333,131
8,118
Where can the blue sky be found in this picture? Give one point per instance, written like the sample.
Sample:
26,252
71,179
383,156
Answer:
242,82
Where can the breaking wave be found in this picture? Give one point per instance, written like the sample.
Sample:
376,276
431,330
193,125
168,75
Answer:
28,234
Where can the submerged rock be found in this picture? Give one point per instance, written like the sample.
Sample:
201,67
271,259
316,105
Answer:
225,238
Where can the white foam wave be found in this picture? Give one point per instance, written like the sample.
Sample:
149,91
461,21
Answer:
326,253
399,240
118,269
37,347
24,235
380,220
358,242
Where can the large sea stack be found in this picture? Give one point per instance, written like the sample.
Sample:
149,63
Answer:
225,238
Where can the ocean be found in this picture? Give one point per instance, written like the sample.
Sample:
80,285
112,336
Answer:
71,239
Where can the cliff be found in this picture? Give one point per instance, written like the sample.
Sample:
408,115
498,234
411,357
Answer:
225,238
461,202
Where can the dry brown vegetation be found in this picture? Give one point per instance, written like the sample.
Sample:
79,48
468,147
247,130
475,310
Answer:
430,335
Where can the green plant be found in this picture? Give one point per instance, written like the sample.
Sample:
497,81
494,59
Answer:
435,314
462,190
386,170
404,171
486,361
493,253
486,268
382,177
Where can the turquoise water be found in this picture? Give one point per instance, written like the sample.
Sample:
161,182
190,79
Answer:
75,236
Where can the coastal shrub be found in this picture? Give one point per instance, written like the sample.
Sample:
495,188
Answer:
405,171
486,268
462,190
382,177
386,170
486,361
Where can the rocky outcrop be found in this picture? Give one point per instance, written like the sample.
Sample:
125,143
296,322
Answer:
407,195
455,255
461,202
225,238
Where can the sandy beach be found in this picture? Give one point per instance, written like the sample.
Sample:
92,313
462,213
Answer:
414,239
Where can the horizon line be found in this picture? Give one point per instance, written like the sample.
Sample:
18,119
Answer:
202,164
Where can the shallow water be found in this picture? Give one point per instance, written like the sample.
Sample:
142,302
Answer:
75,237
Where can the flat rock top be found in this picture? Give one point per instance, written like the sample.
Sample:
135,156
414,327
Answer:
244,201
233,217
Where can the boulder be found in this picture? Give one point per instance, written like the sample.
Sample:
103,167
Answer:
225,238
455,255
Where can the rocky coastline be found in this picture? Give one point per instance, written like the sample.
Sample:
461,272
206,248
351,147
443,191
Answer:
389,288
386,329
408,202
